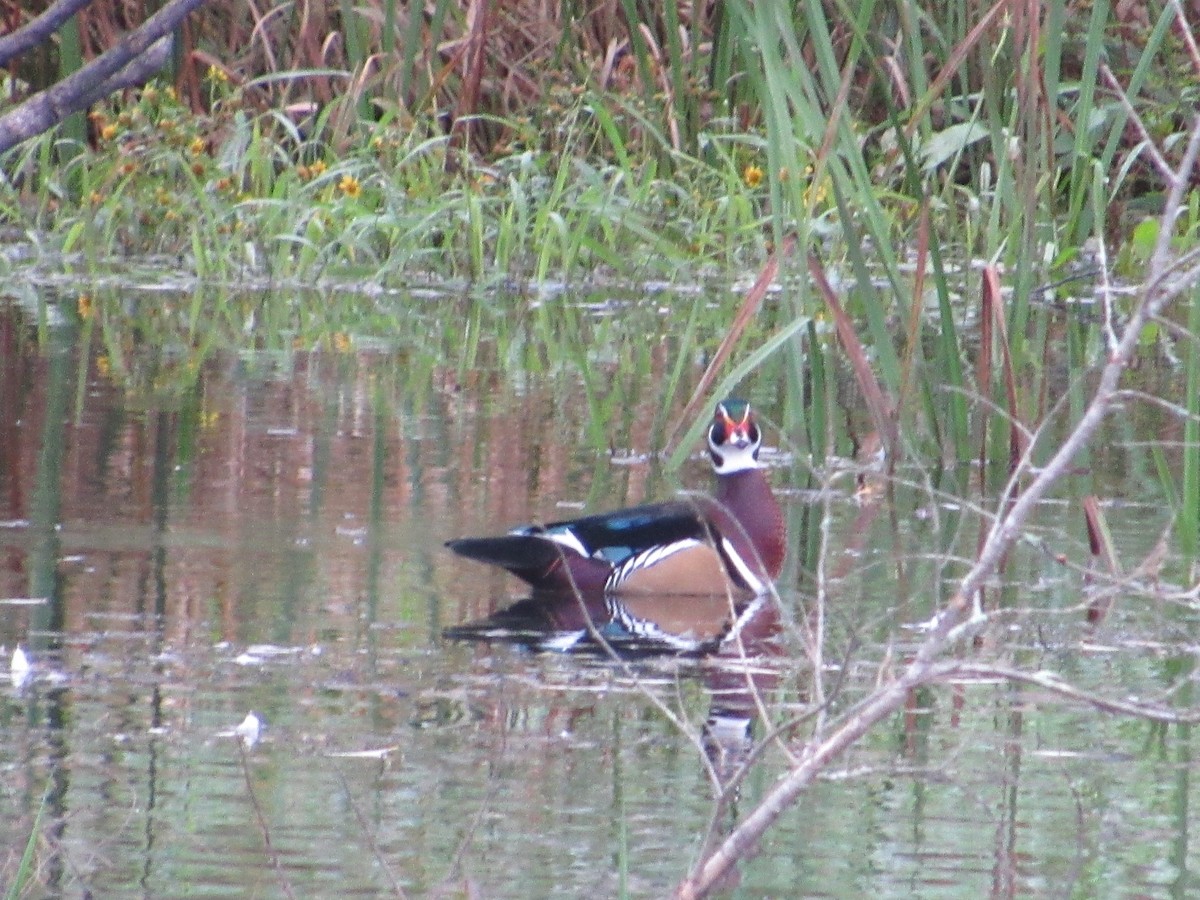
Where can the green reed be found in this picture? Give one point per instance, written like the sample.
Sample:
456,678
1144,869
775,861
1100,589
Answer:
1003,172
24,873
1187,509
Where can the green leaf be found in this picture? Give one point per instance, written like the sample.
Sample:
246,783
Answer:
950,142
1144,238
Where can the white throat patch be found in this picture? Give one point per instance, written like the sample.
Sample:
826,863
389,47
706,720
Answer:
729,459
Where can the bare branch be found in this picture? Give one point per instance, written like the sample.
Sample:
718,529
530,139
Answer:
39,30
1160,161
115,68
1185,34
1049,681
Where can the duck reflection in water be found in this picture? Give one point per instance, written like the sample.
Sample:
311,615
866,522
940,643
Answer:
733,640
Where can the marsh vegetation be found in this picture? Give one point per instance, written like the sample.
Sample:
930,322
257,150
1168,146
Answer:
950,252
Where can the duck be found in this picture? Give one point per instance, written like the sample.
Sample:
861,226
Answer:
731,542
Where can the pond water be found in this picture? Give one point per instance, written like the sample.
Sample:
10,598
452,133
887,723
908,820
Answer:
186,541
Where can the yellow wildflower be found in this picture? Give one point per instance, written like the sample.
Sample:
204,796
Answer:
816,193
95,198
349,186
217,75
108,132
103,366
341,341
752,175
197,146
84,306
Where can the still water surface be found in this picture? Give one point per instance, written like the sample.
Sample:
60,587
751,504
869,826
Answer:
267,536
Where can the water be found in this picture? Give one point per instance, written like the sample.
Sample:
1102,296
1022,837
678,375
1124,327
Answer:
265,534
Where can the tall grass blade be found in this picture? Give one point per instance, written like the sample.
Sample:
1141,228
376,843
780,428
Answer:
820,398
745,314
640,50
680,108
25,868
1188,522
70,60
749,363
993,308
983,386
1104,557
881,407
410,54
1085,109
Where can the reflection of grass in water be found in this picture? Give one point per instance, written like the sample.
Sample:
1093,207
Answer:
626,357
150,340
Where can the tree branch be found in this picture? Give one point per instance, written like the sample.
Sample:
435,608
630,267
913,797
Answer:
38,30
1049,681
129,61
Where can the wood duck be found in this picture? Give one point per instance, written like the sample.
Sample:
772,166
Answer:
733,541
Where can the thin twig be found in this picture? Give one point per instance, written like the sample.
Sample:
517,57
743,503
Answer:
1147,142
1185,34
747,310
454,870
1051,682
369,833
263,828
